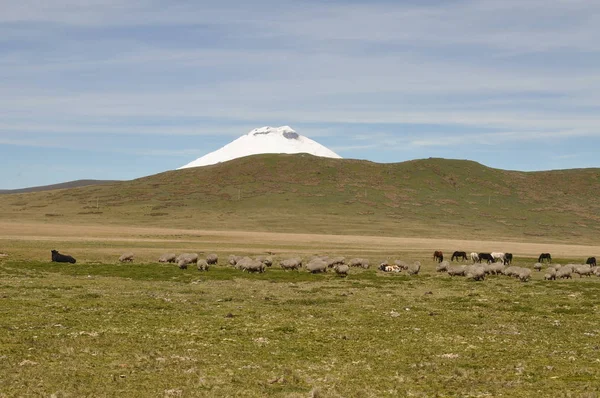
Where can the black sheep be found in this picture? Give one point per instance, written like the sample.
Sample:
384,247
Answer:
62,258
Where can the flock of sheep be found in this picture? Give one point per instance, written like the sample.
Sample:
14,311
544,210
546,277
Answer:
478,271
341,266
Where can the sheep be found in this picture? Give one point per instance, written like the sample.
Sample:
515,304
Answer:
293,263
359,262
249,265
266,260
341,269
582,269
415,268
443,266
126,257
233,259
401,264
511,271
316,265
202,265
167,258
497,268
475,272
564,272
187,258
597,271
458,270
550,274
212,259
556,266
62,258
523,274
537,266
331,263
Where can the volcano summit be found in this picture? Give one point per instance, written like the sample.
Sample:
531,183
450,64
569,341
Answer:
264,140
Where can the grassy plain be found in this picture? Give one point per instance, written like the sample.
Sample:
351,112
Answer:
99,328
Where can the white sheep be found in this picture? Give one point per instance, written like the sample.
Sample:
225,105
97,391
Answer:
126,257
168,258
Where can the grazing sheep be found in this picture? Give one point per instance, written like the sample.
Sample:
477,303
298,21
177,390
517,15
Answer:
475,272
212,259
62,258
341,269
233,259
537,266
185,259
202,265
497,268
458,270
359,262
556,266
316,265
511,271
415,268
331,263
291,263
126,257
443,266
550,274
167,258
266,260
564,272
583,269
597,271
523,274
249,265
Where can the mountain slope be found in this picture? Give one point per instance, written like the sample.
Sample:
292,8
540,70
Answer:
264,140
62,185
303,193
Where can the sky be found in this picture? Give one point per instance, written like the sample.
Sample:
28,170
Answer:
120,89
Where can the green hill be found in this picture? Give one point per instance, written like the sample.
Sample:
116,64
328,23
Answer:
302,193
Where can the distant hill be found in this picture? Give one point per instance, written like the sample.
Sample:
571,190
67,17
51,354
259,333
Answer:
64,185
303,193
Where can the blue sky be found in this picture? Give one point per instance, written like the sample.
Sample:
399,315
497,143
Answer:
116,89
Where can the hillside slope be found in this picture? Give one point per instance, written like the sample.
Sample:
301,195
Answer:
303,193
62,185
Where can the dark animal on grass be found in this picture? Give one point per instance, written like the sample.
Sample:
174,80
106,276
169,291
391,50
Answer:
459,255
545,257
487,257
591,261
62,258
508,257
438,256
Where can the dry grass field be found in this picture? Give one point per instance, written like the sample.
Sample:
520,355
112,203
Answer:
103,329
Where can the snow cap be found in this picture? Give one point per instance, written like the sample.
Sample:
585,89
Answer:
266,139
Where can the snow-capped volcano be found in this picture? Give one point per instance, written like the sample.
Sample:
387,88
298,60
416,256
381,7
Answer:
264,140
